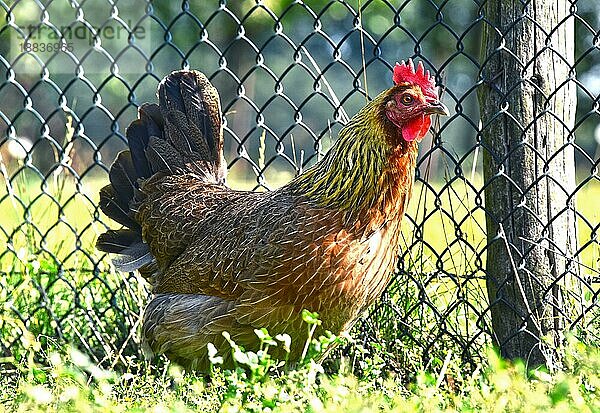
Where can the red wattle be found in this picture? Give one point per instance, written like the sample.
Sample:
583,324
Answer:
416,128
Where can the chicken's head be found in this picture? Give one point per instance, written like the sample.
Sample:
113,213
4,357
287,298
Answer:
413,99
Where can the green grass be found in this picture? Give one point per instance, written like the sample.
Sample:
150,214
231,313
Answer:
73,384
56,289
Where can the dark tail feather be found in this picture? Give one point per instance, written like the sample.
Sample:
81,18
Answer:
118,240
190,107
112,206
137,136
183,133
123,178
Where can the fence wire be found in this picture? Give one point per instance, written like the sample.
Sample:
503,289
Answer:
290,74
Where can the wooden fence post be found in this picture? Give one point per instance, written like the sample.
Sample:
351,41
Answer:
528,111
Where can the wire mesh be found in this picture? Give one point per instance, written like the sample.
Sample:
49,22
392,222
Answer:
289,74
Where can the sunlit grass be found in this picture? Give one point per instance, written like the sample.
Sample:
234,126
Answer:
54,276
73,383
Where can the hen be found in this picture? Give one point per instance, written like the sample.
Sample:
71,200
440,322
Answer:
224,260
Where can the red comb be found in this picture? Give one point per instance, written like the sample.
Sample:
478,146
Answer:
405,73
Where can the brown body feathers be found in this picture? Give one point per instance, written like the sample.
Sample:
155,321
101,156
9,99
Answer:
224,260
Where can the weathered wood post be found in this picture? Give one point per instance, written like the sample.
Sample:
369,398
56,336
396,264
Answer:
527,112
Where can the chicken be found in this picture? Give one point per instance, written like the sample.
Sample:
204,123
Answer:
224,260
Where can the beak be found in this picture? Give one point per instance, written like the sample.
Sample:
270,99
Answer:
436,108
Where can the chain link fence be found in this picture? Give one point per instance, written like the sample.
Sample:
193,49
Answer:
290,74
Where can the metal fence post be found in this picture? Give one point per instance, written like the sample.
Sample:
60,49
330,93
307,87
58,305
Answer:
527,103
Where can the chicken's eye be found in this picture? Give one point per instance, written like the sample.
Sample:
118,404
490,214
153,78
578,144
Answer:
406,99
